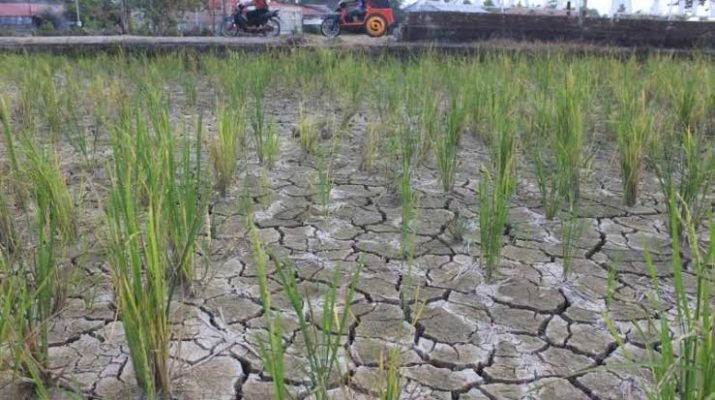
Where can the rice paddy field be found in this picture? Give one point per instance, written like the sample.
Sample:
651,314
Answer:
315,225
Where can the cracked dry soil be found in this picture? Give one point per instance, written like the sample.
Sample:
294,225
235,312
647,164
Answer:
525,334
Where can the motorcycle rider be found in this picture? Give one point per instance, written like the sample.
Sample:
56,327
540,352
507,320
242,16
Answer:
253,17
356,10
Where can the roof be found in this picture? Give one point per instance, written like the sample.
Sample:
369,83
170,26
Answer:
19,9
436,6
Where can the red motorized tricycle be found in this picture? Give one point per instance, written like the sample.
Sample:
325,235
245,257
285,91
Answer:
375,19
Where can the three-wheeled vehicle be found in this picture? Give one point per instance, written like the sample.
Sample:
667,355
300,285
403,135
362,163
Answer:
376,19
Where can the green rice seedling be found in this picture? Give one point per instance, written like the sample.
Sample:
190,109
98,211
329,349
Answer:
264,184
370,148
569,129
307,131
446,145
261,133
323,332
428,121
541,142
684,163
493,215
349,80
571,230
272,145
272,353
186,203
324,165
224,148
140,277
26,302
37,283
408,147
154,216
634,130
49,189
189,82
497,184
390,386
14,177
8,236
688,102
30,84
683,364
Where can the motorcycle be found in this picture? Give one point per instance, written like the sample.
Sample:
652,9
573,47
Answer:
267,24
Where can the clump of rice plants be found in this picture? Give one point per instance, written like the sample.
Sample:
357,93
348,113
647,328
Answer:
265,135
224,148
323,331
391,381
569,126
273,352
49,189
324,163
571,230
634,131
14,177
153,224
684,163
681,366
408,147
541,142
447,141
35,280
27,302
496,185
369,148
307,131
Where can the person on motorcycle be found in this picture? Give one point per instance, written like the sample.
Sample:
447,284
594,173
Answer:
356,10
254,16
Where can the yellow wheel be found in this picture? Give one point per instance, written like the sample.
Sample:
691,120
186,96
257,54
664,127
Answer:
375,26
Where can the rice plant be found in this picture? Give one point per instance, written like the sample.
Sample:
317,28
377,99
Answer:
571,230
370,148
408,148
141,280
186,204
634,131
497,183
272,352
27,305
446,145
683,364
153,223
307,131
391,381
684,163
224,148
36,279
265,135
540,140
14,177
569,126
323,331
49,189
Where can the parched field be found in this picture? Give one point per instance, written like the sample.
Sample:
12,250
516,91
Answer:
314,225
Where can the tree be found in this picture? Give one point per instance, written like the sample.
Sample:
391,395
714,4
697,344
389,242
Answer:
95,14
163,14
488,3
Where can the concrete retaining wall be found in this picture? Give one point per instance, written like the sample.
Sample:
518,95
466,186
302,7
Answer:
460,27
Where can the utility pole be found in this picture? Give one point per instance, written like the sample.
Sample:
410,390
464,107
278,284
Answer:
78,22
